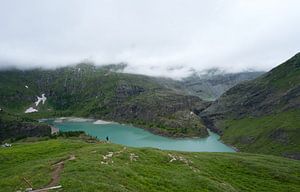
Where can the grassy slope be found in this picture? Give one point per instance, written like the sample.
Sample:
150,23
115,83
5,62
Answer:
152,171
286,75
276,134
263,115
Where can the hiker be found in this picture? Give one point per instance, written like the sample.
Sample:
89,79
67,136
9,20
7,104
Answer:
107,138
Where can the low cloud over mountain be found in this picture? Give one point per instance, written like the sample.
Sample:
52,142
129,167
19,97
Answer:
161,38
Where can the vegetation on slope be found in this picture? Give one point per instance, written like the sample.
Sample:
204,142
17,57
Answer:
275,91
100,92
91,168
261,115
276,134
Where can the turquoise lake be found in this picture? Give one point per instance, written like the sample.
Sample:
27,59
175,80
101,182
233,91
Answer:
137,137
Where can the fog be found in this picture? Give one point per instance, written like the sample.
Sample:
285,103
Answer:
168,38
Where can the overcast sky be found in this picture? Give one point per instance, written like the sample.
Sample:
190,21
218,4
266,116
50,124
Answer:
155,37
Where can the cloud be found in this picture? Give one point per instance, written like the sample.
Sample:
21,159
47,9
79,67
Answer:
161,38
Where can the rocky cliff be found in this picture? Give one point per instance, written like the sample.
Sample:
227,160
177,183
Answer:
15,127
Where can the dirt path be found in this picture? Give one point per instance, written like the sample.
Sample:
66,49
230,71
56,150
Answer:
58,168
55,175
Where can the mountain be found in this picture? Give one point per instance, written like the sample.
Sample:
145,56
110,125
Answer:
102,92
257,116
262,115
208,84
211,84
79,165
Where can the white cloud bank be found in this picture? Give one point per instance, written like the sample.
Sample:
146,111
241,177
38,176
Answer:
162,38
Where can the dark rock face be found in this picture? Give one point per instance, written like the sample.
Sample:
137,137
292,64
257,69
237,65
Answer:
280,136
274,94
209,123
247,139
254,100
152,107
125,90
292,155
163,113
16,129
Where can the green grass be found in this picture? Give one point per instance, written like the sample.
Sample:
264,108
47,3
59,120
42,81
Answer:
152,170
284,76
276,134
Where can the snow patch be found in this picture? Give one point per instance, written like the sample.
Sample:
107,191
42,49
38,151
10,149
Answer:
31,110
26,86
72,119
101,122
60,120
39,99
6,145
78,119
42,120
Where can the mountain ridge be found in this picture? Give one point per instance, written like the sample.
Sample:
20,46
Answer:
261,115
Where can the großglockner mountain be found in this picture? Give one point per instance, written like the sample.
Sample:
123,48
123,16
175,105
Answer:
262,115
101,92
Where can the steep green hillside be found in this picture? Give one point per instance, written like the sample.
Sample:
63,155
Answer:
275,91
80,166
271,134
101,92
262,115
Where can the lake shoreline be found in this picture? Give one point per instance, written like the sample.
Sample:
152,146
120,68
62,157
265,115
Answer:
155,131
135,136
151,130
